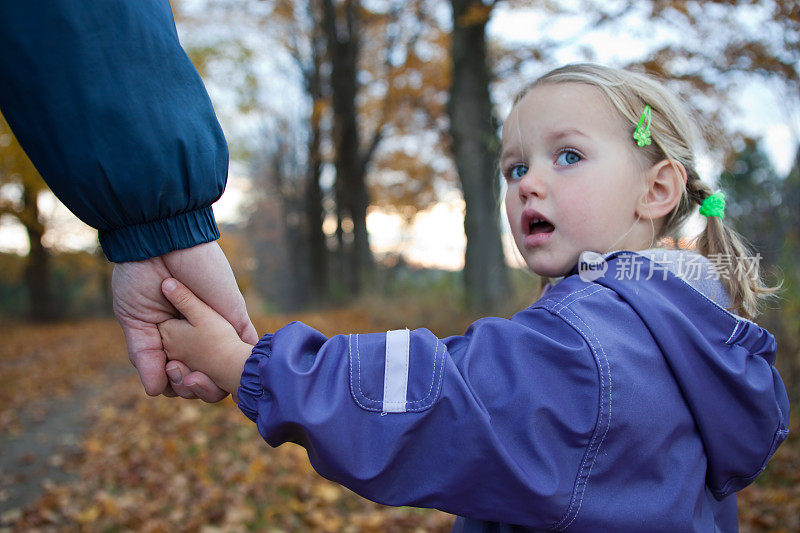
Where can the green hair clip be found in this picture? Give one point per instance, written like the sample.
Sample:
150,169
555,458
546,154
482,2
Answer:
713,206
642,132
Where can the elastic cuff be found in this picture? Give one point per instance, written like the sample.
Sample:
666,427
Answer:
250,389
152,239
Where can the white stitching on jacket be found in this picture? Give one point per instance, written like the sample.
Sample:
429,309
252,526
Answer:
560,303
380,402
441,373
350,356
735,329
608,423
556,308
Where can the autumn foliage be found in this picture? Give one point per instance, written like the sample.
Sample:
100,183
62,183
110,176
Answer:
160,464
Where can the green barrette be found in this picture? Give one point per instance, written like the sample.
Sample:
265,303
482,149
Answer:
713,206
642,132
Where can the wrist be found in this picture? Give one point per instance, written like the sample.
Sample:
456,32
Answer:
234,361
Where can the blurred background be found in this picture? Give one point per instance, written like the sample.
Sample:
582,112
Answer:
349,188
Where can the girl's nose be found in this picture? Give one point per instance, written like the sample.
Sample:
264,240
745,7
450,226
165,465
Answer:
532,184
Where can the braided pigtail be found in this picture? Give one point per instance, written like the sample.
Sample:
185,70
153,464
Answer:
738,269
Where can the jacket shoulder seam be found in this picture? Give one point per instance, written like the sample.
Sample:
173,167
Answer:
561,308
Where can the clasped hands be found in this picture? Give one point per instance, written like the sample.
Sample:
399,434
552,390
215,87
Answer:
140,306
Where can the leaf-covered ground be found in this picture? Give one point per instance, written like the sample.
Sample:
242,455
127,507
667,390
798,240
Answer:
157,464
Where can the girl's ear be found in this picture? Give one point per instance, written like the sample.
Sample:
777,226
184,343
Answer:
666,182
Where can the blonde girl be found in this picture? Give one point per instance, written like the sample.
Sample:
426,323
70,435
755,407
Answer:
635,395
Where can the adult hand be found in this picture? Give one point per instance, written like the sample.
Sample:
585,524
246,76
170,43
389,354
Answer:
203,339
139,305
205,270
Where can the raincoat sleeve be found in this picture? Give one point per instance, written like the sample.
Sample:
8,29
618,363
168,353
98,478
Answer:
492,425
115,118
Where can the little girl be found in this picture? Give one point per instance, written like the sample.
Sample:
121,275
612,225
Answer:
635,395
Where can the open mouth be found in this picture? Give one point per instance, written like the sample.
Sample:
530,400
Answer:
539,225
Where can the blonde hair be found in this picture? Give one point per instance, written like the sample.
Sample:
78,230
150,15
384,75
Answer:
674,136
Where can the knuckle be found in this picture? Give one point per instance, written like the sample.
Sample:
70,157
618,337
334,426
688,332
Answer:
183,297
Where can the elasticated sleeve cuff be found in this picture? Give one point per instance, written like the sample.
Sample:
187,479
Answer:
152,239
250,389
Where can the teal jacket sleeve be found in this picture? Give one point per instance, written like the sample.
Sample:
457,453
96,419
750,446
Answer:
115,118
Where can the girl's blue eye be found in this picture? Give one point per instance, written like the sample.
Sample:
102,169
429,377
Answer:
567,157
517,171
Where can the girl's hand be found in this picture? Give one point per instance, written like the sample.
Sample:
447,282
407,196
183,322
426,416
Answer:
203,339
140,306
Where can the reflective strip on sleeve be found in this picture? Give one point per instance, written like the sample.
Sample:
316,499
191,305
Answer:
395,380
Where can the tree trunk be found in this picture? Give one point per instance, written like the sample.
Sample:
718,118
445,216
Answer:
38,268
282,172
315,212
475,146
352,195
315,216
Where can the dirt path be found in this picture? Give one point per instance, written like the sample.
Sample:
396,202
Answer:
48,442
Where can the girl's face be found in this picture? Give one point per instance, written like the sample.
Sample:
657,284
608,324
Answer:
574,179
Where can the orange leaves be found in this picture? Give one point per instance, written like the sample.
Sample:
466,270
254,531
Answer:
160,464
17,169
88,516
45,362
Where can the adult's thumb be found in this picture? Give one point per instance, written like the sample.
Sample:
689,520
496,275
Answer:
184,300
